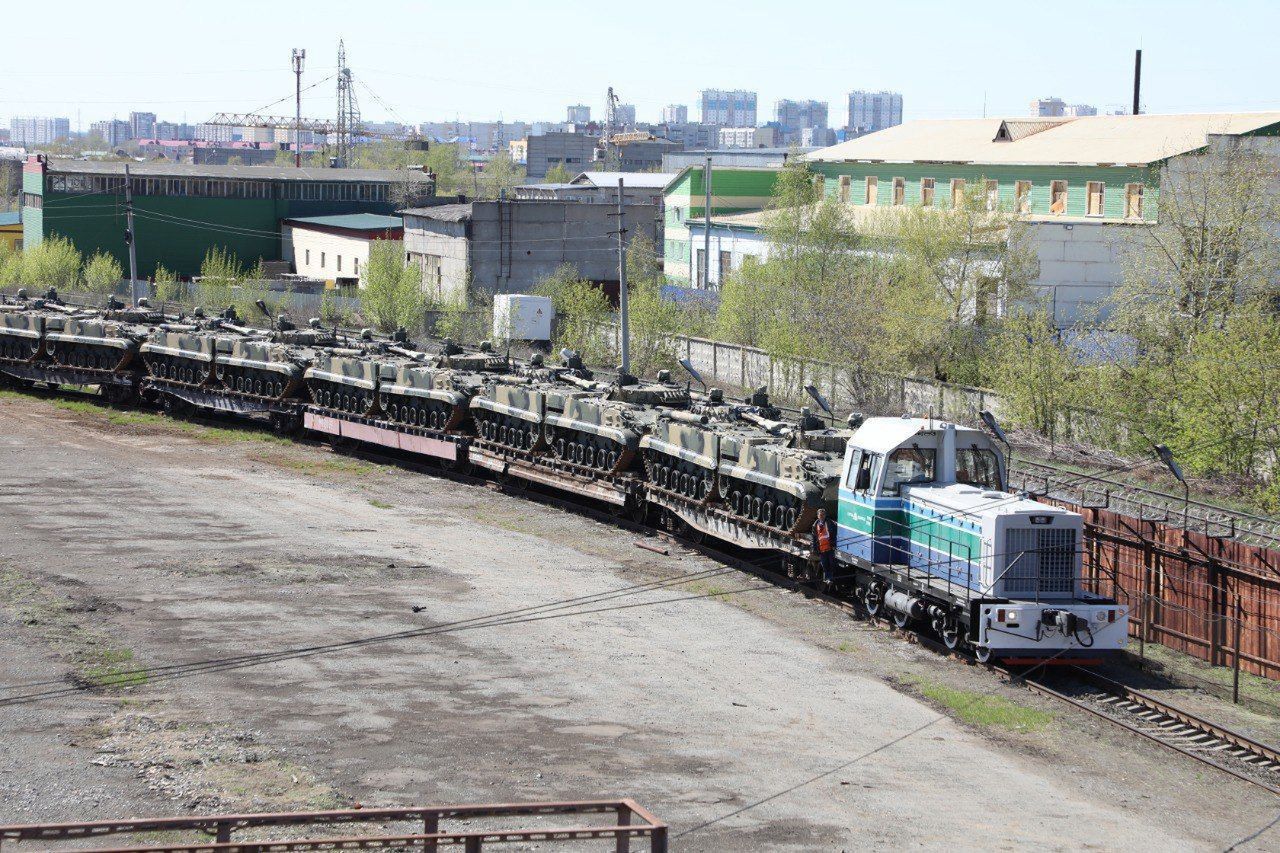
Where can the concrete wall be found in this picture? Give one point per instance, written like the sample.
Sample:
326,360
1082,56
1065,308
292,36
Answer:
572,149
1081,264
516,244
439,250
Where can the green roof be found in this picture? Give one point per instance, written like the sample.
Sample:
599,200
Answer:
353,221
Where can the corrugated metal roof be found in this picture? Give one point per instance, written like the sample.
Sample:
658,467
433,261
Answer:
353,221
640,180
1127,139
443,212
159,169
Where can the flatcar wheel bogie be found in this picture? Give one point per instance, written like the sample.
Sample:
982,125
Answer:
982,654
951,639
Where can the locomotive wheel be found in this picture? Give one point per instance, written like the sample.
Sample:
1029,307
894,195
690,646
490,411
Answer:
951,639
982,653
873,602
900,619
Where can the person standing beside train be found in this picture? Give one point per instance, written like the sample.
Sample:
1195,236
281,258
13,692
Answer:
824,546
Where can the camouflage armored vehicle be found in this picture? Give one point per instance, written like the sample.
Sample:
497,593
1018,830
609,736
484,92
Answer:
601,430
509,411
782,477
95,343
759,468
255,366
23,323
436,393
181,353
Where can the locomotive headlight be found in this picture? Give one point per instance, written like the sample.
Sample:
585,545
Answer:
1012,616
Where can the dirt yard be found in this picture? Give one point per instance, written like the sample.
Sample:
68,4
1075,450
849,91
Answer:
747,717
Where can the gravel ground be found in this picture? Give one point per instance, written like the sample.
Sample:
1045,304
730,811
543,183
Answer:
746,716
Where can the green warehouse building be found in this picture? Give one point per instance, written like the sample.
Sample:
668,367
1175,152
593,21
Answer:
181,211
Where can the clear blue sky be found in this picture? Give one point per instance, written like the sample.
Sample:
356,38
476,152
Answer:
528,60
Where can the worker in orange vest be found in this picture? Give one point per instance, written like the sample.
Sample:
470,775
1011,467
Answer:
824,545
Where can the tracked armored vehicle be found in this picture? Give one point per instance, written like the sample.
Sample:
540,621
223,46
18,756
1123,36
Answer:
435,393
269,369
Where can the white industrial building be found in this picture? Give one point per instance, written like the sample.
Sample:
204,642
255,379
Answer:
335,249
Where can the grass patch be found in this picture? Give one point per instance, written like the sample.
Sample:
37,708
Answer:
95,661
847,647
984,709
319,467
200,432
377,504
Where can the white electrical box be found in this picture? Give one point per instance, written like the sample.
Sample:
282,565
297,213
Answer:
521,317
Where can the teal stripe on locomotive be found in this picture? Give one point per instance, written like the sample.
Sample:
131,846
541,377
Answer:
890,530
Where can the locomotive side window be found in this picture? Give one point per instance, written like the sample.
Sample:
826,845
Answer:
979,468
909,465
859,478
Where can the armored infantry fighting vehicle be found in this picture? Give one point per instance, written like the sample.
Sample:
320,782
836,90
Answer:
435,392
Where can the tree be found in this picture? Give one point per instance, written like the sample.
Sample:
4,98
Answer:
583,315
55,262
220,273
165,285
654,320
1036,374
102,273
500,174
391,295
558,174
950,273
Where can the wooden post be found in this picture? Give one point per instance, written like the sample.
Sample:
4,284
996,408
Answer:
1217,610
223,832
1235,676
658,841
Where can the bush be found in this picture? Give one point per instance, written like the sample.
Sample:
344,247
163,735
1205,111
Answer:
102,274
55,262
583,315
392,296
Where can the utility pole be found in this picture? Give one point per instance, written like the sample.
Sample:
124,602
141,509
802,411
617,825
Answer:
624,314
706,231
128,235
1137,80
299,56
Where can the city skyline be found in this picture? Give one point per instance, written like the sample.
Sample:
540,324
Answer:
236,68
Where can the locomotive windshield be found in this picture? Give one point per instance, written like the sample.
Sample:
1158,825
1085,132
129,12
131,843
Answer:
979,468
909,465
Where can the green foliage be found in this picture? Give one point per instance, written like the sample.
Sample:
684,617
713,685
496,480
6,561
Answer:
653,319
55,262
165,285
392,295
220,273
583,315
500,173
333,312
558,174
10,265
1036,373
102,274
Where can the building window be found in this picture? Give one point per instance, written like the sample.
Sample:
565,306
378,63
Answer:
698,268
1133,201
926,192
1095,198
993,195
339,263
819,186
308,255
899,191
873,188
1022,196
957,192
355,262
322,260
1058,197
845,183
726,266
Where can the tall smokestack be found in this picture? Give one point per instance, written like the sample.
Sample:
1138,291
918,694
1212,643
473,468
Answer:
1137,81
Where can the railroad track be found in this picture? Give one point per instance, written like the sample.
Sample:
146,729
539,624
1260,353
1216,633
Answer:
1178,730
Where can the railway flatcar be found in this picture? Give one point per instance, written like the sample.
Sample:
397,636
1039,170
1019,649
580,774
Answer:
931,535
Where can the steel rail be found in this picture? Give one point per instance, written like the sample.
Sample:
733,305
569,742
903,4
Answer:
1207,734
